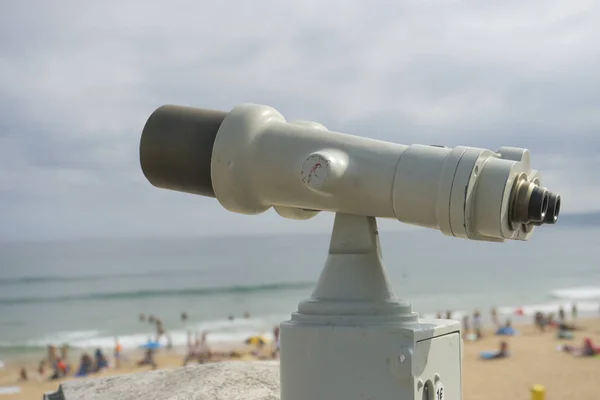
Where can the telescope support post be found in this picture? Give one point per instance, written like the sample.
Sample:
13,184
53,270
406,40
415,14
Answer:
354,340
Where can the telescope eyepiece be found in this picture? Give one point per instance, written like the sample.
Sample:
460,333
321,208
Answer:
553,209
534,205
538,204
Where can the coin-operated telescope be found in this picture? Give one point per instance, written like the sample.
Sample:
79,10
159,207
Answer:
353,338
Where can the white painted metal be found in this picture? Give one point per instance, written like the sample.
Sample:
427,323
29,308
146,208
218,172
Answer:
261,161
353,339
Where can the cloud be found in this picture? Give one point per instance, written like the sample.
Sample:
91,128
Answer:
78,80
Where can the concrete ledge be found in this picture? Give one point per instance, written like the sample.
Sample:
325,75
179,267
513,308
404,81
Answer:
248,380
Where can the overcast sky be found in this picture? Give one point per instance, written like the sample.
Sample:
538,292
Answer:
78,80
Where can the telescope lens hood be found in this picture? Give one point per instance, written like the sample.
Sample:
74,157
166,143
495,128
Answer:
176,148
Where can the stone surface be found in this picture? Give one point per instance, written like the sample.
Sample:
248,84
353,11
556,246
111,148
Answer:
258,380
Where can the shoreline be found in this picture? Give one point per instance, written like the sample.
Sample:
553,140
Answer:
589,312
262,326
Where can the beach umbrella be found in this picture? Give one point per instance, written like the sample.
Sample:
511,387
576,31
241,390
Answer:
151,345
256,340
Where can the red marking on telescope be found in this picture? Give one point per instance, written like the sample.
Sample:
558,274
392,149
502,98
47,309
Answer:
312,171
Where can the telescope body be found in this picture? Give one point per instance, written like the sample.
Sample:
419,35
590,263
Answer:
252,159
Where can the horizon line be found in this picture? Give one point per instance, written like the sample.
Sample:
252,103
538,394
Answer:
588,219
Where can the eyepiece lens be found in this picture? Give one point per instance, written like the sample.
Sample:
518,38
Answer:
538,204
553,209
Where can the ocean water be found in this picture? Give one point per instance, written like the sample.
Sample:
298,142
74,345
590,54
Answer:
85,293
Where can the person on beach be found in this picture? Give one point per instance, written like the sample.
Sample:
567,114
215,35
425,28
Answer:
438,315
86,366
118,353
561,314
42,368
60,369
448,314
587,350
466,325
23,374
198,350
550,322
52,355
257,344
100,361
494,355
494,314
574,311
192,349
204,350
64,356
503,352
539,321
275,353
64,353
507,329
565,326
160,330
148,359
477,324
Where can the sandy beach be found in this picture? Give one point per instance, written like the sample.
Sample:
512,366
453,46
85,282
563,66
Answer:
534,360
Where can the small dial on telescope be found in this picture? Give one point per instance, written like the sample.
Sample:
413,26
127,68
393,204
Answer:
314,171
